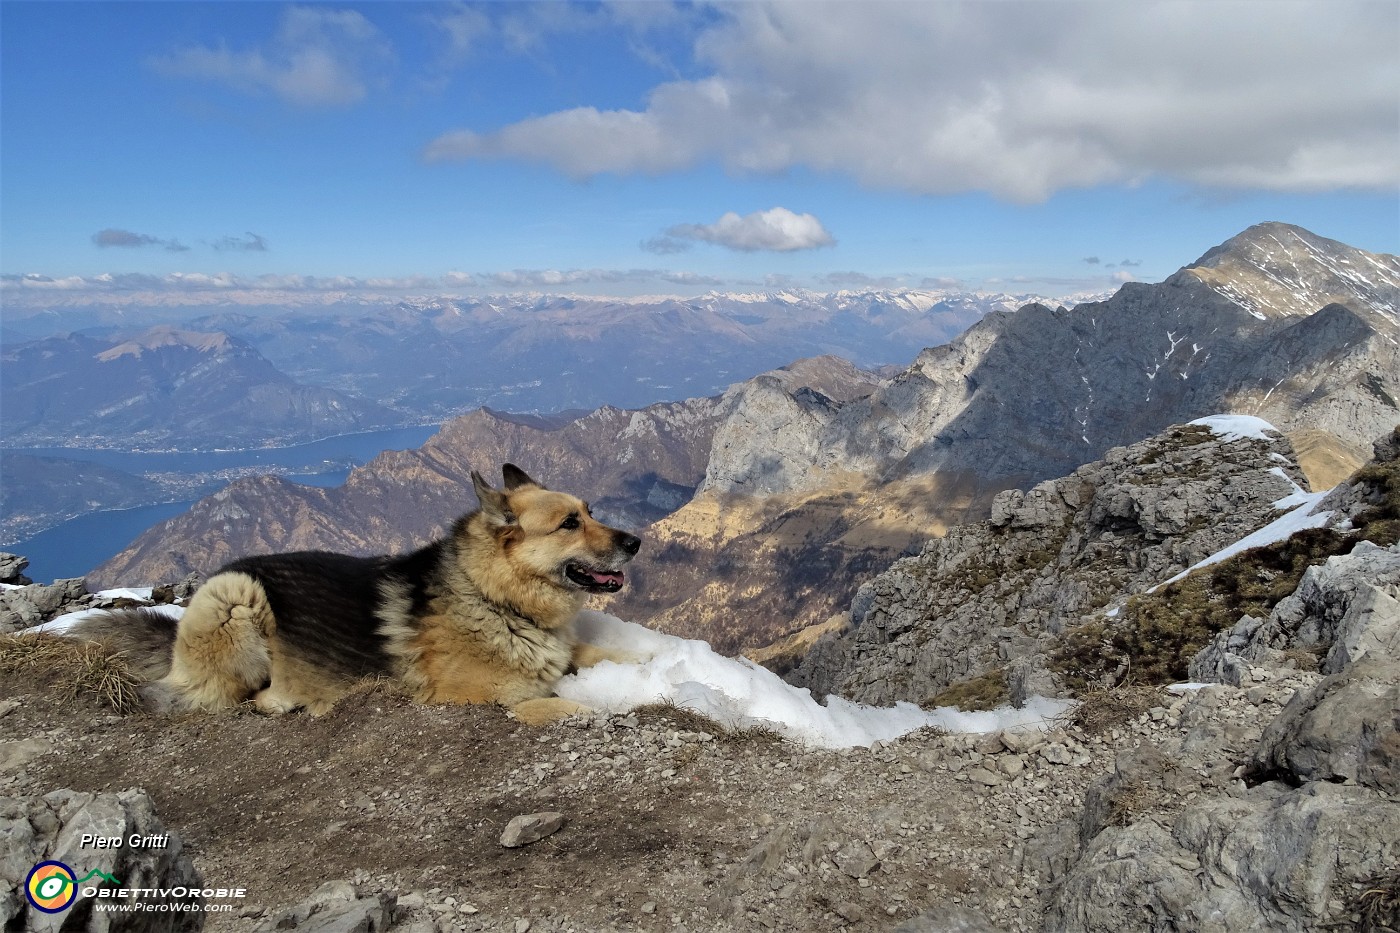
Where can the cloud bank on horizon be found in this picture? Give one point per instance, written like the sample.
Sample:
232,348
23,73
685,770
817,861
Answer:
508,146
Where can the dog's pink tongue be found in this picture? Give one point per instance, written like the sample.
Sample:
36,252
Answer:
603,579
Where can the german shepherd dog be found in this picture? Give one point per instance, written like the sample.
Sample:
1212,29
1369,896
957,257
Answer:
484,615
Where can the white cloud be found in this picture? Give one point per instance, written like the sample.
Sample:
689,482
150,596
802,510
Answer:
777,229
249,243
126,239
318,58
1019,99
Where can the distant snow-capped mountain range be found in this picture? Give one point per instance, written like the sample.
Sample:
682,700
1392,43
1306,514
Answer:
149,372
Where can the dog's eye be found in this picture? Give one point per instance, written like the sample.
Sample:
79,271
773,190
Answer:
569,524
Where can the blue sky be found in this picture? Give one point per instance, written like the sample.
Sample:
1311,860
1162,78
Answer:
642,148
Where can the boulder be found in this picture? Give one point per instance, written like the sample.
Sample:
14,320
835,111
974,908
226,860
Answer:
532,827
1265,860
1346,729
336,907
12,569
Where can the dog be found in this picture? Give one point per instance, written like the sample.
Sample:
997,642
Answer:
483,615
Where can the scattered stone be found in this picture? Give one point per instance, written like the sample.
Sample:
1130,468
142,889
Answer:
15,755
856,859
947,920
335,907
849,912
523,830
985,777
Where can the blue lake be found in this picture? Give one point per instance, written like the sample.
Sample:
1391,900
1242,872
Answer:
80,544
356,447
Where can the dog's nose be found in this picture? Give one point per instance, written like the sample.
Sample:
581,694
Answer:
629,543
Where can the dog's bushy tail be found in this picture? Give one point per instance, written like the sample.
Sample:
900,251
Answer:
144,638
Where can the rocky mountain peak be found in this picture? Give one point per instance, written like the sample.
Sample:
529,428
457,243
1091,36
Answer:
1277,269
770,427
168,336
832,376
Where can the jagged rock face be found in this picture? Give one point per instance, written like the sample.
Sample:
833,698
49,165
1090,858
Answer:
166,389
1345,608
50,828
1344,730
1033,394
991,595
1266,860
1315,817
773,425
12,567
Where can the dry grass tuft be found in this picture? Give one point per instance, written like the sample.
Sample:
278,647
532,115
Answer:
669,712
753,736
79,668
1378,906
983,692
1106,707
1130,801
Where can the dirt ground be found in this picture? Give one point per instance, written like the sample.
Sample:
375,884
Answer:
671,823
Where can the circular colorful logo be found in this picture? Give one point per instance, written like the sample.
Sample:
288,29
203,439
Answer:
51,887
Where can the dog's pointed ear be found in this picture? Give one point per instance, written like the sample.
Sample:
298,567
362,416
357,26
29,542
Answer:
493,501
516,477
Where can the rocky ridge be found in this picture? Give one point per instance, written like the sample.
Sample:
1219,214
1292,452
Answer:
791,514
1301,337
989,600
1309,813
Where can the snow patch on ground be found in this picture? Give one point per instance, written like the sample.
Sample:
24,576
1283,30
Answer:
64,623
1297,519
1297,497
1236,427
741,694
142,593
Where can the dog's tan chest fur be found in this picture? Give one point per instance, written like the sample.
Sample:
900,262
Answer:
469,652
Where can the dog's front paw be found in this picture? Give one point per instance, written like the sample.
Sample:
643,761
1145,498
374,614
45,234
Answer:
544,710
586,655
